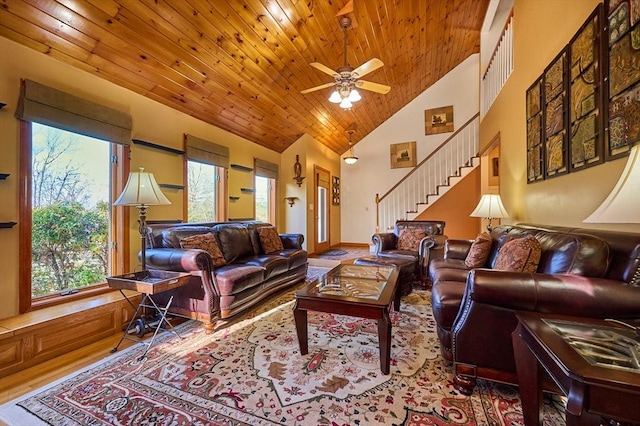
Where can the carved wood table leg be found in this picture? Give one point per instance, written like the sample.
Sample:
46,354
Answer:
300,317
384,337
528,370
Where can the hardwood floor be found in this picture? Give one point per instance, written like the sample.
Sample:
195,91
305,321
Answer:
25,381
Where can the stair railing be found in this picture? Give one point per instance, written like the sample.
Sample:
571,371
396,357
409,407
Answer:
425,178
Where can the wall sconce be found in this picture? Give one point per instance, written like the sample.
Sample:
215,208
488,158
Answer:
291,200
297,170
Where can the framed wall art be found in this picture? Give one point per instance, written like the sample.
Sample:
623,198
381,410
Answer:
403,155
535,147
555,114
624,78
438,120
585,118
335,191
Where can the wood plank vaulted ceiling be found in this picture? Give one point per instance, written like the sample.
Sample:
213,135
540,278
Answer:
240,65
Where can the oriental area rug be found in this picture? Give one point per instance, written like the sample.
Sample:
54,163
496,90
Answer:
251,373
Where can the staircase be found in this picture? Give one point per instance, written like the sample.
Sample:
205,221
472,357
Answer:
433,177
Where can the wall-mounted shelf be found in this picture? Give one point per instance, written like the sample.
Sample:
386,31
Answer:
3,176
233,198
156,146
170,186
241,168
247,190
7,224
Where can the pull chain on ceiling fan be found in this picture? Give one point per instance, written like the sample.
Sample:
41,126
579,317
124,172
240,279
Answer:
347,78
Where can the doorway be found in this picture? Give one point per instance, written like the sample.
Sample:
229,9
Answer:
321,210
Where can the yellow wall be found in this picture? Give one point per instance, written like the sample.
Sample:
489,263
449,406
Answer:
152,122
541,30
300,216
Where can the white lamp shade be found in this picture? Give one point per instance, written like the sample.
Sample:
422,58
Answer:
354,96
346,103
141,190
490,207
350,160
335,97
623,203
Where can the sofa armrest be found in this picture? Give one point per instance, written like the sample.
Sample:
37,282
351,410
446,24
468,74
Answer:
457,249
292,241
180,260
384,241
560,294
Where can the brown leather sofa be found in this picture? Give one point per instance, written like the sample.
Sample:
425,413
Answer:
217,293
582,272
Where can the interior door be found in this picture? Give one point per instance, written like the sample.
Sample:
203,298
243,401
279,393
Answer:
321,210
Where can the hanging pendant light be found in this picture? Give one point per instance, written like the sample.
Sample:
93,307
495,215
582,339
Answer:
351,158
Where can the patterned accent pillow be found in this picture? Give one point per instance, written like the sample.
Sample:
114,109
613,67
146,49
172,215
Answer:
206,242
269,239
519,255
410,238
479,251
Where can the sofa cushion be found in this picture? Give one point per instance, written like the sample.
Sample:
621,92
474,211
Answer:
235,241
206,242
269,239
479,251
171,237
519,255
409,239
232,279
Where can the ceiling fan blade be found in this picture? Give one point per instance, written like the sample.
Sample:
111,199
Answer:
367,67
313,89
325,69
373,87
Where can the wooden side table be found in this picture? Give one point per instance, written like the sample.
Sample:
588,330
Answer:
148,283
595,364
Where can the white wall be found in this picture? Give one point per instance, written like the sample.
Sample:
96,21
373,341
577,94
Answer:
373,174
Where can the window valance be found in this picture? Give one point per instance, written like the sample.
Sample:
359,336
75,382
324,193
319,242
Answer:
204,151
46,105
265,169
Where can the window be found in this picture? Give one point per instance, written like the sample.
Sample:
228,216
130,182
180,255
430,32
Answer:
265,185
265,199
207,165
204,199
70,211
69,175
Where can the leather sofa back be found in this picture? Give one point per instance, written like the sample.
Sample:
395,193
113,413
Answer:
431,227
580,251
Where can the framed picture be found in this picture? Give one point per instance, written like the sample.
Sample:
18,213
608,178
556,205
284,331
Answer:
438,120
624,79
335,191
585,117
535,154
555,117
403,155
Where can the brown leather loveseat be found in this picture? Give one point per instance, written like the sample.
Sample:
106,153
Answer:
581,272
225,285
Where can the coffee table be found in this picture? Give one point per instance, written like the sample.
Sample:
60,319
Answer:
355,290
595,363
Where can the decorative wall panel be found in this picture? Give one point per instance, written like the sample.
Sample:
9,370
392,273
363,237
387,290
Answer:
535,154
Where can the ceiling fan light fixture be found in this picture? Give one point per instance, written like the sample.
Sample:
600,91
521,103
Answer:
335,97
354,96
346,103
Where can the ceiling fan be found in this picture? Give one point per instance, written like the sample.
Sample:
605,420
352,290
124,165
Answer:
347,79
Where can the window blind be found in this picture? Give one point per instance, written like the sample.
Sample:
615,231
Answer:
46,105
204,151
265,169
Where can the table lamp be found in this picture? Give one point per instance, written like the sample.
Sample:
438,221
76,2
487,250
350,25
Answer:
490,207
141,191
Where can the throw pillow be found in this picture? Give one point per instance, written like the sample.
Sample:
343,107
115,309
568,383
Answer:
269,239
410,238
206,242
519,255
479,251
